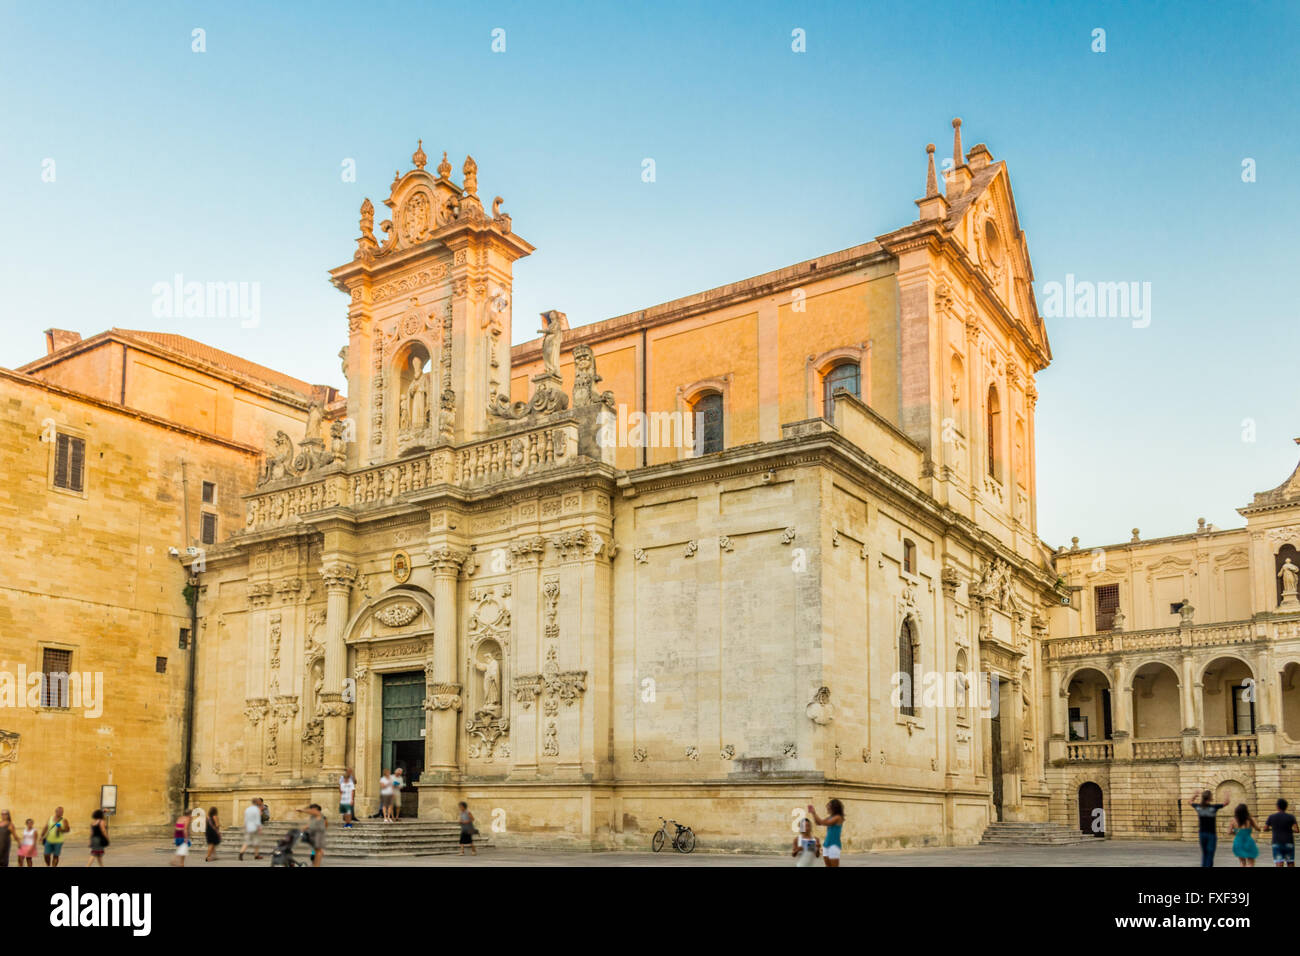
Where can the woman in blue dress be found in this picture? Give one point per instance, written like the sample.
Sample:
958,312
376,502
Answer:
1243,841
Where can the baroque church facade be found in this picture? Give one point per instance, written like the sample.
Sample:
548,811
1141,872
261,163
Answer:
485,566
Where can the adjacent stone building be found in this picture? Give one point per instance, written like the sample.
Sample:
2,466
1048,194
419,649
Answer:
1174,670
107,471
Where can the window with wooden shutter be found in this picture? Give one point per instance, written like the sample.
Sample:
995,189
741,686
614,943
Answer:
69,463
209,531
1105,599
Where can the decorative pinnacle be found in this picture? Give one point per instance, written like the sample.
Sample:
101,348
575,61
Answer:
418,157
444,167
931,184
958,157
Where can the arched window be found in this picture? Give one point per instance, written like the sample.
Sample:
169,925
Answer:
846,375
708,423
994,421
956,391
908,689
909,555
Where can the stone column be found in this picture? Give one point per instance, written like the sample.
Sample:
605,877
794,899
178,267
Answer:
1187,690
1122,700
444,703
1266,692
334,710
1058,702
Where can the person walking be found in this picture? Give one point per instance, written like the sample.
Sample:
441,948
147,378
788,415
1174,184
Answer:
347,796
212,834
1282,826
8,836
467,830
252,829
27,850
807,848
315,831
181,839
386,796
1205,815
98,838
1244,847
399,781
834,824
56,830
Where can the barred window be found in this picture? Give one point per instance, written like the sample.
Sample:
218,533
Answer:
69,463
160,665
209,493
1105,598
55,666
209,532
184,640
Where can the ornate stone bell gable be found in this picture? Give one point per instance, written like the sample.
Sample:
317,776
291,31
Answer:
429,321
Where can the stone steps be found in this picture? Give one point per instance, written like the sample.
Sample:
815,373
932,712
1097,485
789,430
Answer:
366,839
1025,833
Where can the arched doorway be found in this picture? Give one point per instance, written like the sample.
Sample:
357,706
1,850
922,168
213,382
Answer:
1092,812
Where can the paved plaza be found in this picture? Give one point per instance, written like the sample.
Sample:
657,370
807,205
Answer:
1122,853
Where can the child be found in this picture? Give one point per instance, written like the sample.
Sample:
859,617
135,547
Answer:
807,848
181,838
98,838
1243,843
27,851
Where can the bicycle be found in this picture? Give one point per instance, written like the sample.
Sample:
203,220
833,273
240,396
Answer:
683,839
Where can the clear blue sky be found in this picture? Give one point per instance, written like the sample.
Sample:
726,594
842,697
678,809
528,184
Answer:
225,166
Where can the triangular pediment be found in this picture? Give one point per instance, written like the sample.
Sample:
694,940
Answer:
984,221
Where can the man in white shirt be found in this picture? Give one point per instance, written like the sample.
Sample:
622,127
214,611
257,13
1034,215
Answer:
386,796
347,793
252,829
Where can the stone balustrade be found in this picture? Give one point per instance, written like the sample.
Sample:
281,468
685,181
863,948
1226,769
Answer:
1236,746
1197,635
517,455
1089,750
1159,748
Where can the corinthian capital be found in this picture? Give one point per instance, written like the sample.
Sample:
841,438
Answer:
337,575
447,559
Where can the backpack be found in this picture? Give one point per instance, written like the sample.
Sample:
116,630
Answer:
266,814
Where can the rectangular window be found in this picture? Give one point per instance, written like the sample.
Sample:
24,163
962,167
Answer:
55,668
209,533
1105,599
209,493
184,641
160,665
69,463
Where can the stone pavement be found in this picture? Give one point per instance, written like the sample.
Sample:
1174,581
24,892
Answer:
1123,853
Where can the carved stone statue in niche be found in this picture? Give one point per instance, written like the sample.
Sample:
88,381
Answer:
490,667
413,411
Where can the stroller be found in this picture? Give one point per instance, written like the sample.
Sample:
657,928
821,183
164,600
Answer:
282,855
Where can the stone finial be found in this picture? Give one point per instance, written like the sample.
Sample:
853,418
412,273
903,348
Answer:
444,167
1074,543
931,182
958,157
419,157
1200,524
470,169
1135,537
